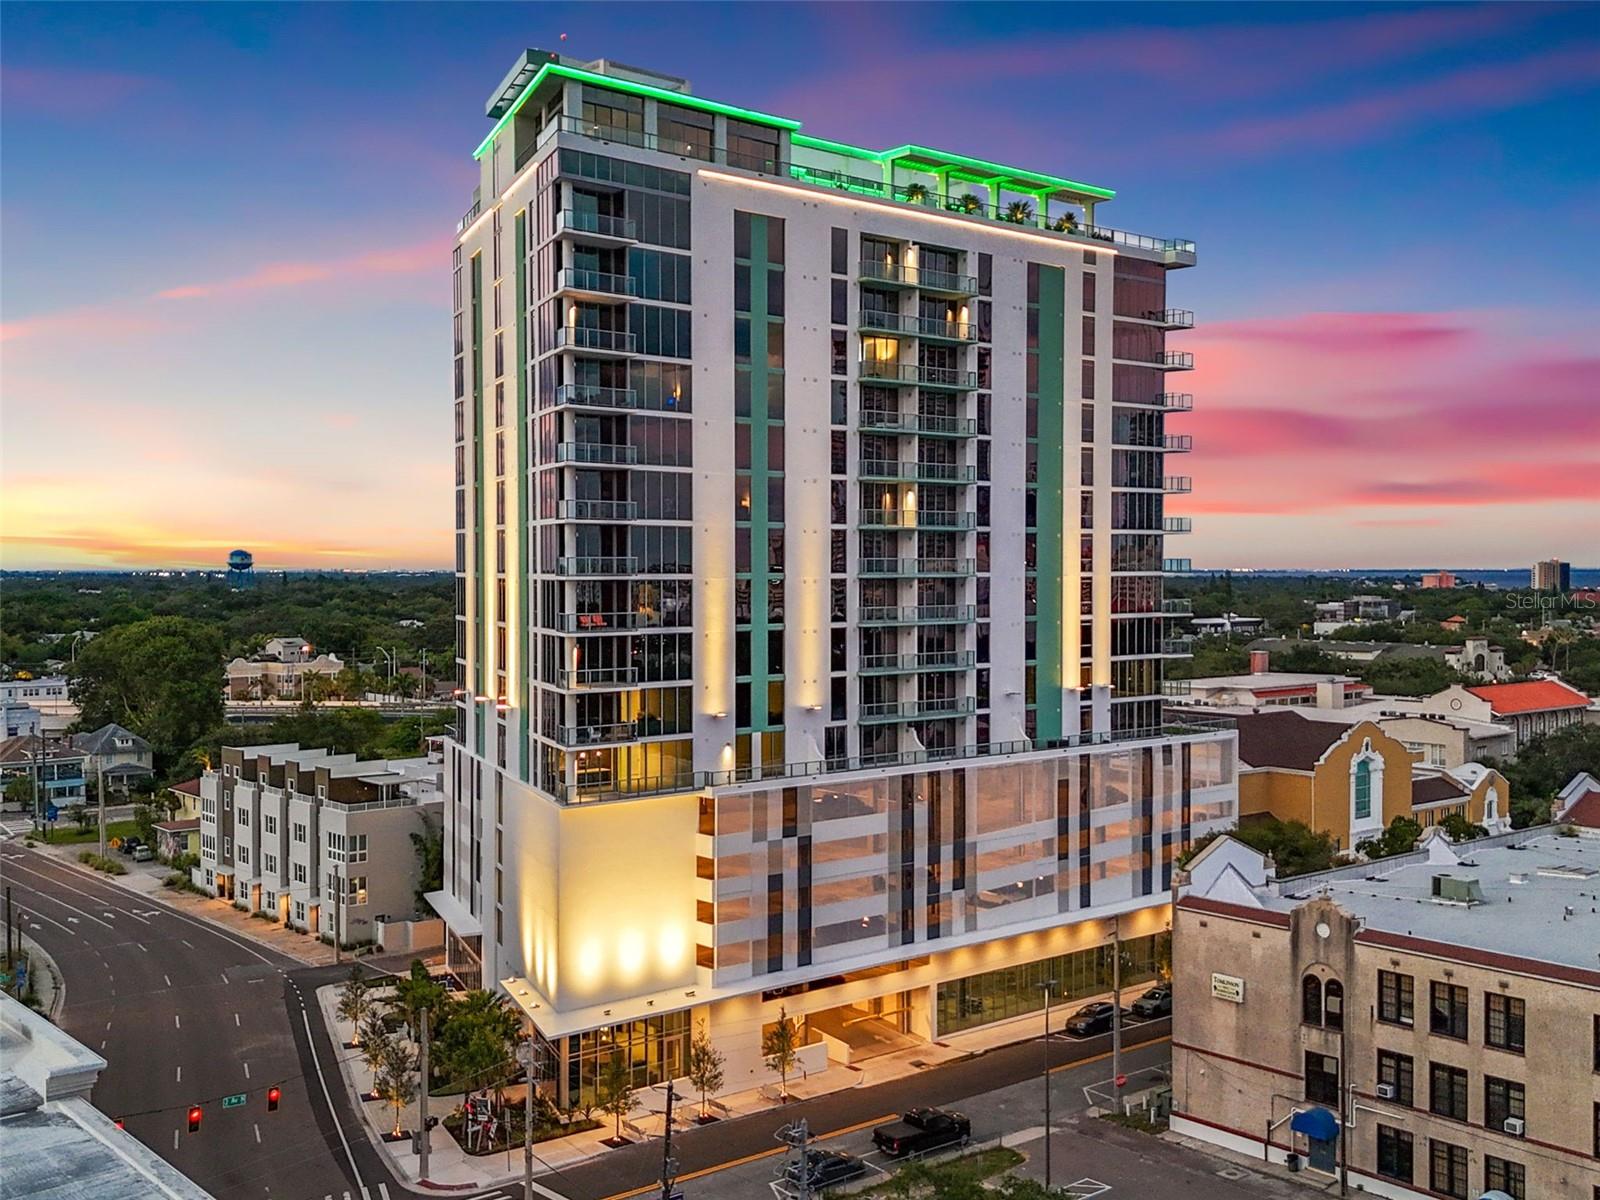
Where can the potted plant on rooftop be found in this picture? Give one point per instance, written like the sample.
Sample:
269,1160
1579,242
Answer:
1019,212
969,203
1065,223
917,193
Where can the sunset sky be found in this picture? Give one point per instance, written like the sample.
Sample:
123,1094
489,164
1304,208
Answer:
227,228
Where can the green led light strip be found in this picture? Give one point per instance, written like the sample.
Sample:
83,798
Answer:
635,89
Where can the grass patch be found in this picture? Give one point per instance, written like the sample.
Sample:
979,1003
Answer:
951,1173
73,836
179,881
1139,1119
109,865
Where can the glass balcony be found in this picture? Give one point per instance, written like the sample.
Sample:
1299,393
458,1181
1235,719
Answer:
947,378
888,371
583,395
911,325
597,565
1177,606
913,568
916,472
1175,687
601,622
597,454
899,275
595,227
930,660
894,518
1176,566
917,710
638,139
1177,485
924,425
585,678
1161,360
1177,525
594,341
595,285
596,735
1177,443
916,614
597,510
1179,647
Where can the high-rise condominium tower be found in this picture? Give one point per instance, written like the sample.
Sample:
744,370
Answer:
810,534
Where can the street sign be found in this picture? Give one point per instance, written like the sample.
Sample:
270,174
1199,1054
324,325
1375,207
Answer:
235,1100
51,812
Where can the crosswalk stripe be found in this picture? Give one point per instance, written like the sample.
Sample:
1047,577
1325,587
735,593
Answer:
383,1191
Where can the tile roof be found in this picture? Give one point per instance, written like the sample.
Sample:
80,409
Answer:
1286,739
189,787
1535,695
1432,789
1585,811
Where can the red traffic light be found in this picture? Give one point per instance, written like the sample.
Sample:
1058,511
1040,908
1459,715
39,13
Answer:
120,1125
274,1094
194,1119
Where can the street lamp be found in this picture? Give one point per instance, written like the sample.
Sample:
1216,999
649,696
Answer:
527,1057
1047,987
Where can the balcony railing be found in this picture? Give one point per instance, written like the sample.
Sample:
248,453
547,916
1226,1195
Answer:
583,337
1177,647
926,278
1177,443
914,568
926,425
597,565
952,378
1177,606
596,283
597,510
596,225
1177,525
916,614
584,395
894,518
1162,360
1176,566
911,325
617,135
1167,318
597,453
599,677
596,735
918,710
928,660
1173,724
1175,687
1177,485
920,472
598,622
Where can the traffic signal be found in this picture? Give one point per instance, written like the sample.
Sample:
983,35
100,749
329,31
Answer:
120,1125
274,1094
194,1118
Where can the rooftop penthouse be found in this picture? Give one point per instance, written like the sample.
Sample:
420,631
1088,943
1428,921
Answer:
618,104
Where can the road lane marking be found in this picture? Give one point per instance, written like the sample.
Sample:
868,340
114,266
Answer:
176,1024
179,1079
224,975
236,1020
327,1096
143,947
189,944
167,979
257,1128
247,1070
174,1139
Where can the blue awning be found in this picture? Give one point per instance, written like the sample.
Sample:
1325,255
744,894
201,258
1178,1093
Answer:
1316,1123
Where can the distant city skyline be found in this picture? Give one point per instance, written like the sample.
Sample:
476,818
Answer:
226,281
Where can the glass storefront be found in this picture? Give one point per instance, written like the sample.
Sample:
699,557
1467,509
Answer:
1016,991
655,1048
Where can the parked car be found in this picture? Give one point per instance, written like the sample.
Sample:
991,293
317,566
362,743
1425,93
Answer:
824,1168
143,853
921,1130
1157,1002
1090,1019
129,845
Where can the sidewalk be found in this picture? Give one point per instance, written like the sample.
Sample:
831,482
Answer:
145,879
451,1167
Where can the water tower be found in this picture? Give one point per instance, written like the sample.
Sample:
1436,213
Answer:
241,569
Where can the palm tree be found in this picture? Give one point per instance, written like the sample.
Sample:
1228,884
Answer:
1065,223
917,193
1019,212
413,994
969,203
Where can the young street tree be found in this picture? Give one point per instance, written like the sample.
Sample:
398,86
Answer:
780,1046
354,1004
705,1065
616,1092
396,1083
374,1040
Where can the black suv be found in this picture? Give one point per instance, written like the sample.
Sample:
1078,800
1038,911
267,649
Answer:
920,1130
1090,1019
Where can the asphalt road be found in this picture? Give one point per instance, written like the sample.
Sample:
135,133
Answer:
187,1013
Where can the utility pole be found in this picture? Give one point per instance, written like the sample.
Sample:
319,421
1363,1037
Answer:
526,1056
1116,1008
11,956
669,1168
100,792
1047,986
422,1103
338,916
797,1137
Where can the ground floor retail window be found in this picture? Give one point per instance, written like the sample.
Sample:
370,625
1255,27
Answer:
655,1049
1016,991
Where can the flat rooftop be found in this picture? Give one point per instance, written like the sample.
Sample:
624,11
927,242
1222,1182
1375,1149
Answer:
1269,679
1529,883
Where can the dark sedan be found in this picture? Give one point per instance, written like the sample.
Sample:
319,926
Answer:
1157,1002
824,1168
1090,1019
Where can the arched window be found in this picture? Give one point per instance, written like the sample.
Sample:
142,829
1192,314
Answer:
1333,1004
1362,789
1311,1000
1491,804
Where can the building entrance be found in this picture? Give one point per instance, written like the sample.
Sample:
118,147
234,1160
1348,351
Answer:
869,1027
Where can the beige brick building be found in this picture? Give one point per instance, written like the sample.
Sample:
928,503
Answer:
1428,1025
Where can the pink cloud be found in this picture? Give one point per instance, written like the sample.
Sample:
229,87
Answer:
1339,333
1460,93
68,90
402,260
91,321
